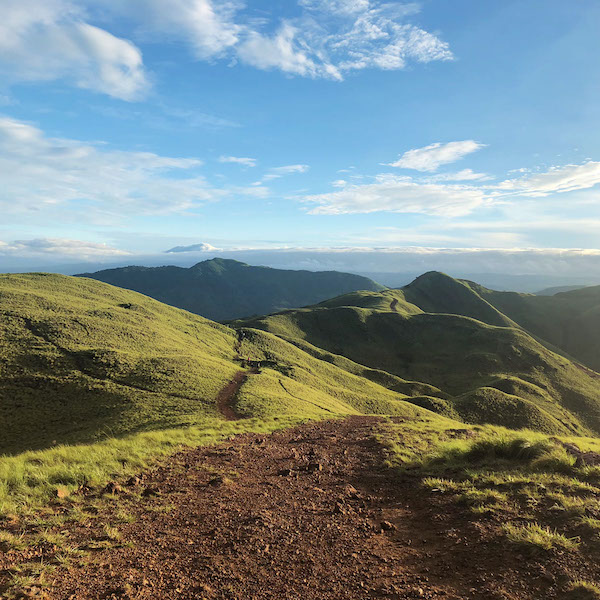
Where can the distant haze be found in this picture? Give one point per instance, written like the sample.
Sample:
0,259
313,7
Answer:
526,270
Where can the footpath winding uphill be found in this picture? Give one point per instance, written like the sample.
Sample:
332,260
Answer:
309,512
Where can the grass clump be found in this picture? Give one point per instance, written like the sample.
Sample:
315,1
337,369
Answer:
583,590
535,537
11,541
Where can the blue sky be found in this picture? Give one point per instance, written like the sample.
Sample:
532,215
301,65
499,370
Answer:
129,128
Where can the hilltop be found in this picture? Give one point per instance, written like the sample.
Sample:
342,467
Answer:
222,289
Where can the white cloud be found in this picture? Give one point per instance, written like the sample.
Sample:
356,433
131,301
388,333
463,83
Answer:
60,247
202,247
39,173
277,172
567,178
42,40
283,51
399,194
333,37
246,162
464,175
208,26
431,157
327,39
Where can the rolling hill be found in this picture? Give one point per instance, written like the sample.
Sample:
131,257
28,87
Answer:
566,321
447,334
222,289
81,360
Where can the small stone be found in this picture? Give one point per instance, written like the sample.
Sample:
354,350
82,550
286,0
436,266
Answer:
113,488
285,472
387,526
314,466
150,491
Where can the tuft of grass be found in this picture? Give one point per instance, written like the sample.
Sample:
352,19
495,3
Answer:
583,590
492,449
111,533
535,537
11,541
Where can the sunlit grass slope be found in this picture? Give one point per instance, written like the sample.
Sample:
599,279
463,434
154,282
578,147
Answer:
81,360
461,356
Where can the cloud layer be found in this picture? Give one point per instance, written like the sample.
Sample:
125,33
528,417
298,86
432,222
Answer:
60,248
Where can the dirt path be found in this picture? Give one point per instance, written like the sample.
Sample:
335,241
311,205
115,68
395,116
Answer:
307,513
227,395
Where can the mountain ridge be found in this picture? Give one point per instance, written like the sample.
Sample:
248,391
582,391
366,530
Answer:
223,289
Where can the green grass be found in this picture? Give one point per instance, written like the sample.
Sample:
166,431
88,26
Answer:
504,477
583,590
534,537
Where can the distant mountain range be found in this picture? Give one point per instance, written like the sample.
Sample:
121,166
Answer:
222,289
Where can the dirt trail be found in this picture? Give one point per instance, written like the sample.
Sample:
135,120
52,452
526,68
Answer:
307,513
227,395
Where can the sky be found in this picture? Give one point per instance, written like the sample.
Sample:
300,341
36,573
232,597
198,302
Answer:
170,130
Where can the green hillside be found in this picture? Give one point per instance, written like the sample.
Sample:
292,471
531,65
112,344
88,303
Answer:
567,322
486,373
222,289
81,360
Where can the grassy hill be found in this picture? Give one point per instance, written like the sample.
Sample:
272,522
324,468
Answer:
222,289
81,360
568,322
494,373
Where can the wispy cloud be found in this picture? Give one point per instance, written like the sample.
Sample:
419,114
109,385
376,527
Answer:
432,157
59,247
567,178
328,38
464,175
246,162
399,194
448,194
277,172
42,174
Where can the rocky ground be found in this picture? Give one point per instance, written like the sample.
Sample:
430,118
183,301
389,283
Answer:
307,513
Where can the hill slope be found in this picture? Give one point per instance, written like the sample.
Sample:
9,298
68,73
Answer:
486,373
221,289
82,360
569,321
